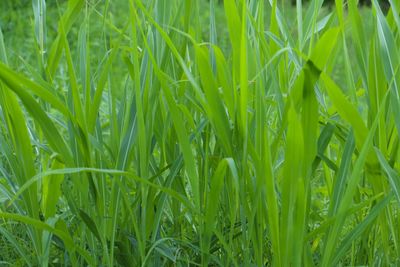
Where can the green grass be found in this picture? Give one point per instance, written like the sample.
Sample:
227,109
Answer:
199,133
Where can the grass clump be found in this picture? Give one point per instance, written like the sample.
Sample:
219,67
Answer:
199,133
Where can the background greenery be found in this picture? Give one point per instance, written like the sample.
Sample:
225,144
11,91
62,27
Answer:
199,133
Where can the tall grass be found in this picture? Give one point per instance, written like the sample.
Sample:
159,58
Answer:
193,133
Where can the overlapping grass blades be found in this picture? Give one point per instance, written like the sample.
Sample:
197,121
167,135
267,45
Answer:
150,133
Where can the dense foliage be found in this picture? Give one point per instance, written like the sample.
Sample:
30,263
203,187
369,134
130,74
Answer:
199,133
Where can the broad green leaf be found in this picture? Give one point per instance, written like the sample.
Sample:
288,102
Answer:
50,131
91,225
215,108
18,82
216,185
324,47
393,176
391,61
51,191
349,113
291,189
65,23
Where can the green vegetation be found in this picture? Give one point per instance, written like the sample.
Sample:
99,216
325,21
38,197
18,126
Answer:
199,133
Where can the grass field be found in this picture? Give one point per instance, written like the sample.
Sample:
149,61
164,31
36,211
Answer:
199,133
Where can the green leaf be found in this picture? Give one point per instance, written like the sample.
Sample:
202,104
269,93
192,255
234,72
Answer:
50,131
324,47
393,176
91,225
349,113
